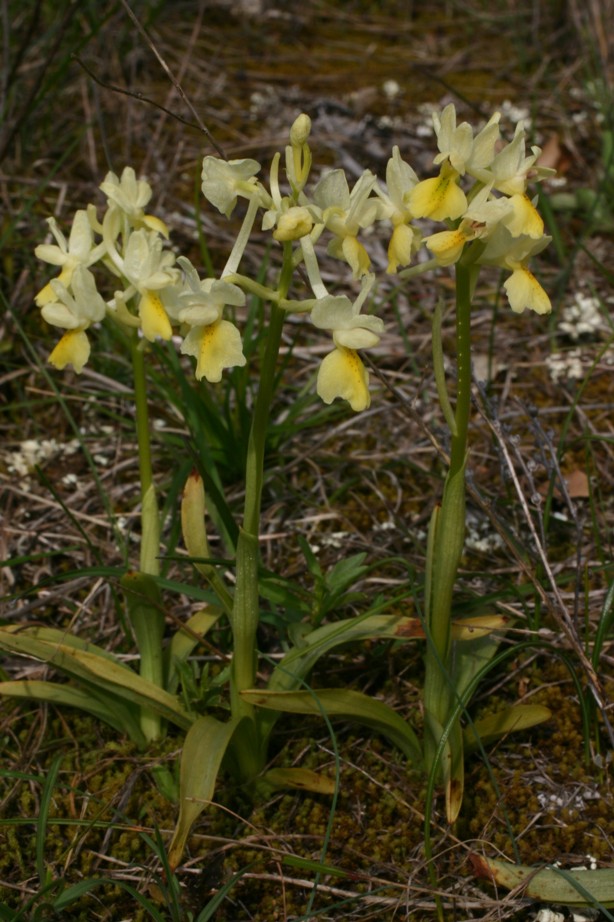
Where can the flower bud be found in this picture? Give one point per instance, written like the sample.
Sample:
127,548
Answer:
293,224
300,130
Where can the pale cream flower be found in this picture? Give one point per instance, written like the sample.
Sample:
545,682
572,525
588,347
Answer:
214,342
78,250
456,144
130,196
224,181
342,373
345,213
74,311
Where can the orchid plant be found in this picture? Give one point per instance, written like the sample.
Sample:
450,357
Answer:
480,195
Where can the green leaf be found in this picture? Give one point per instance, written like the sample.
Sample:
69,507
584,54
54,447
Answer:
185,639
493,727
109,708
340,702
105,673
301,779
204,748
469,657
295,666
147,618
549,885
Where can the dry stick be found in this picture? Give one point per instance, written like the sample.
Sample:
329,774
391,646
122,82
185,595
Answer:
169,97
136,94
172,79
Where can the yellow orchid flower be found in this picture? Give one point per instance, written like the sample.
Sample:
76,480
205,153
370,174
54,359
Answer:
224,181
74,311
214,342
78,250
342,373
344,213
439,198
128,195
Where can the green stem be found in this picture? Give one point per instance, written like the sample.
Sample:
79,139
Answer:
245,615
143,596
463,366
448,532
150,517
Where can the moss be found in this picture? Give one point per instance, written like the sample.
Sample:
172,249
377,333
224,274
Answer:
545,798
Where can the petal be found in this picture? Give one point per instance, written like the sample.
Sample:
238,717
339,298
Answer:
73,349
215,347
484,145
438,198
332,312
400,247
60,315
50,253
47,294
342,374
524,219
400,178
356,256
154,319
80,240
332,191
356,338
156,224
523,290
294,224
446,246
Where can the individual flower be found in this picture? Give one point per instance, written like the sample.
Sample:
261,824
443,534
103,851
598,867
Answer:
447,246
481,216
214,342
457,145
74,311
439,198
511,169
342,373
293,224
400,180
523,217
78,250
223,181
513,253
345,213
149,270
129,196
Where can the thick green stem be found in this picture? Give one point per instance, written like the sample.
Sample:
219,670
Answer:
144,602
245,614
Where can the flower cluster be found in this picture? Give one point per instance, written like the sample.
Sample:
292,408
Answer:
480,193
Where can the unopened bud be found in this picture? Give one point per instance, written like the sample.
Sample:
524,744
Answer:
300,130
293,224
